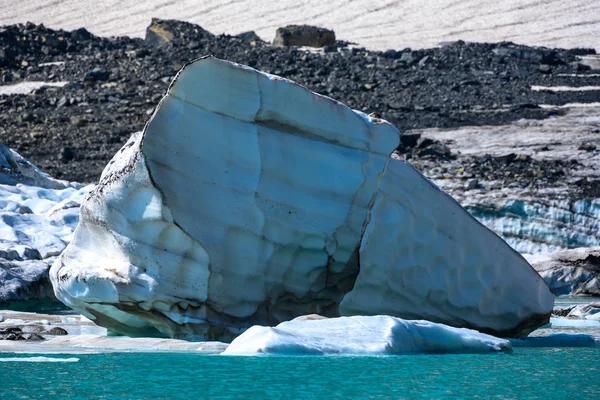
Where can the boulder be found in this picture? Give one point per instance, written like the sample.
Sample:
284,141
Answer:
163,32
250,200
573,272
303,35
56,331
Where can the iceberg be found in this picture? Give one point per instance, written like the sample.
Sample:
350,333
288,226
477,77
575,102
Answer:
249,200
360,335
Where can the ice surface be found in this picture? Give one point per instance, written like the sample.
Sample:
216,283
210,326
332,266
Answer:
376,335
440,264
88,343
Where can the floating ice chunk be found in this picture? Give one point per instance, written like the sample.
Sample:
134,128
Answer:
574,323
38,359
377,335
558,340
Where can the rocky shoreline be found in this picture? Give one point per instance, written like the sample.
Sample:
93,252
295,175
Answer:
111,86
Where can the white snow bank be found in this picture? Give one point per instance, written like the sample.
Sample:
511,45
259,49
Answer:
360,335
27,87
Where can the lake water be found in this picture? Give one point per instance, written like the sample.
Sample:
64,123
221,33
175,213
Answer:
534,373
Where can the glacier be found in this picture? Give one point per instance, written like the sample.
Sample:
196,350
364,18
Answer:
38,215
249,200
360,335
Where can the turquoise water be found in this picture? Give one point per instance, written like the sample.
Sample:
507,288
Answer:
547,373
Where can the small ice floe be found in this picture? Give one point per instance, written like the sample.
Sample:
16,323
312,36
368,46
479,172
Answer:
558,340
38,359
27,87
536,88
360,335
573,323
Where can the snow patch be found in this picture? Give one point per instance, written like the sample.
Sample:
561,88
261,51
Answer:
536,88
27,87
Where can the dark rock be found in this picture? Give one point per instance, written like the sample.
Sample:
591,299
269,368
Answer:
97,74
582,51
545,69
506,158
67,154
410,140
81,35
62,102
161,33
77,121
582,67
472,184
435,150
56,331
423,142
303,35
249,37
587,147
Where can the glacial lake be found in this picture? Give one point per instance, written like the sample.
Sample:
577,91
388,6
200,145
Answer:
533,373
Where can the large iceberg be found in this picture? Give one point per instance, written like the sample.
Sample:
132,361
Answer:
360,335
249,200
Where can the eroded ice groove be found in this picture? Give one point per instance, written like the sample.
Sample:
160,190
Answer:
244,202
440,264
377,335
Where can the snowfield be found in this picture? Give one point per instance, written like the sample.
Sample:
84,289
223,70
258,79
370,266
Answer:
380,24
